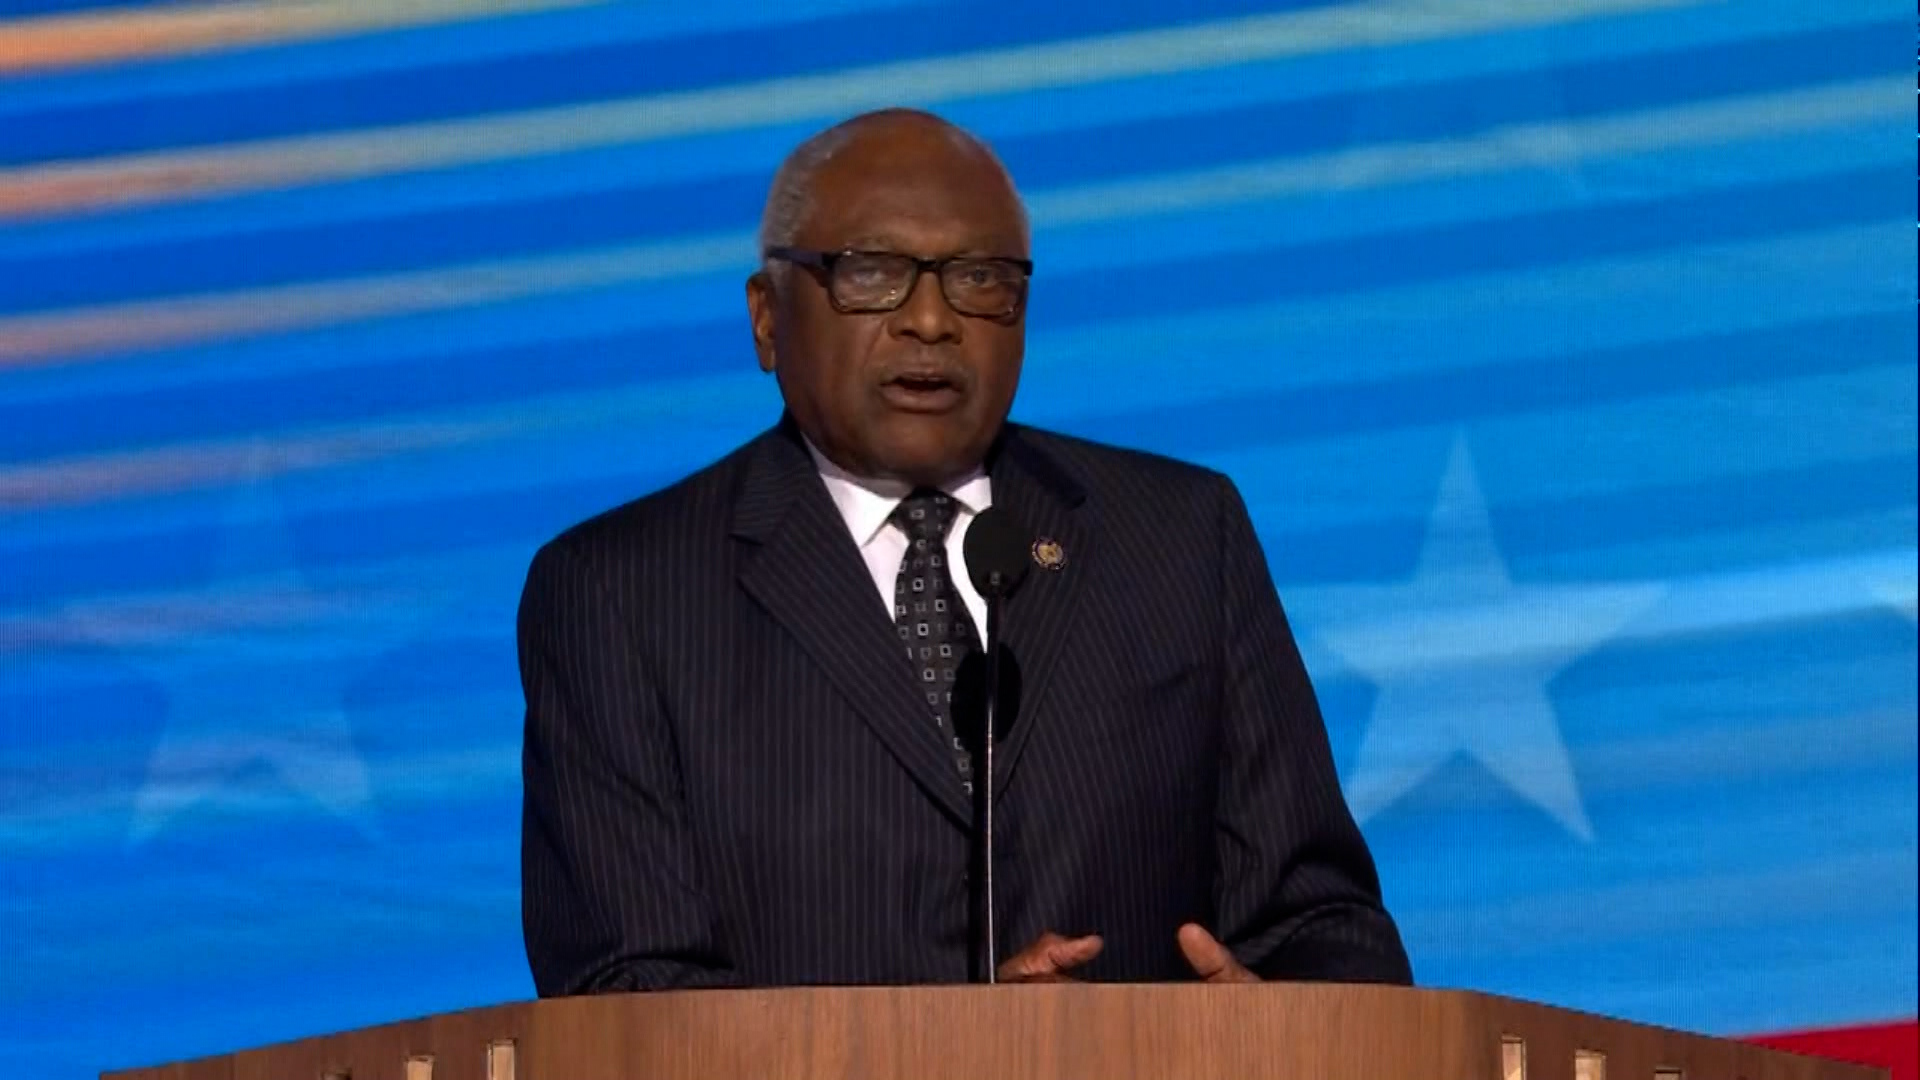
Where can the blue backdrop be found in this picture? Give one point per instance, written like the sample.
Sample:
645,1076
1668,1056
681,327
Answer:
1564,352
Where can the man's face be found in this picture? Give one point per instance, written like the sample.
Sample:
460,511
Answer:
918,393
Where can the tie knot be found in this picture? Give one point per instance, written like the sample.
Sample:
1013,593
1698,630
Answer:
925,514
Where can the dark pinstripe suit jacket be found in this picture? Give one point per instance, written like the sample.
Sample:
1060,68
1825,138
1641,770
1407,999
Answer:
731,778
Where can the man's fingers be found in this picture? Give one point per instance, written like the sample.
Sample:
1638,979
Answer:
1030,962
1065,954
1209,959
1049,957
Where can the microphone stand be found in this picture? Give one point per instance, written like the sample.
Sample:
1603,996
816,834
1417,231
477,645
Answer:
996,552
991,930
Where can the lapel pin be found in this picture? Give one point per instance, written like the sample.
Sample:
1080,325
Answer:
1049,554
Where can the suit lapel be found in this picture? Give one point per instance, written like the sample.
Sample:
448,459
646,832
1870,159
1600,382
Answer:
1039,619
805,570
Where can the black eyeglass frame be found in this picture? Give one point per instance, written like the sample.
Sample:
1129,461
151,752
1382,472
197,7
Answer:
823,262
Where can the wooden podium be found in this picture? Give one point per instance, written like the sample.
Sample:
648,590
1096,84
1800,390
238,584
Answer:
1045,1032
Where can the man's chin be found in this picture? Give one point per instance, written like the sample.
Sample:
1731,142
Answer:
926,465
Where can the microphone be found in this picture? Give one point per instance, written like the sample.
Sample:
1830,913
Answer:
996,552
995,548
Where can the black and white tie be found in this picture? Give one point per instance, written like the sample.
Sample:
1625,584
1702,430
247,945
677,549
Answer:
928,614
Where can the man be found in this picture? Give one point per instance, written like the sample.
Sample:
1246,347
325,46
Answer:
744,760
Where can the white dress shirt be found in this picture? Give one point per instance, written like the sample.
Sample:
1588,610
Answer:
865,505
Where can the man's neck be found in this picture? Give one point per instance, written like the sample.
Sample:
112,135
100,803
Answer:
887,487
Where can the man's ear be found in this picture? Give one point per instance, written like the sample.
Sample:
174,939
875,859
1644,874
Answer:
761,303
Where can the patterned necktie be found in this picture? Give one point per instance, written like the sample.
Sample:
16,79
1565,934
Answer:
928,614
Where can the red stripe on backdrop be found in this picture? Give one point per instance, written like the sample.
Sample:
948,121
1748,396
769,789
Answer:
1895,1046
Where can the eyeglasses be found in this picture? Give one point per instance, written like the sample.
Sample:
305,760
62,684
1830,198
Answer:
868,282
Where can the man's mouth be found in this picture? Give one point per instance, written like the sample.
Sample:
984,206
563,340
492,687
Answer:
921,391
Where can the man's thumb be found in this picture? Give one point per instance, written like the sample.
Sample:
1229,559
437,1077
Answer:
1207,956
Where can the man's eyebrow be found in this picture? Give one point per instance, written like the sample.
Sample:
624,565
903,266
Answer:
883,242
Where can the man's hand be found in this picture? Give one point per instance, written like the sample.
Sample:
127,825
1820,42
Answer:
1210,959
1049,959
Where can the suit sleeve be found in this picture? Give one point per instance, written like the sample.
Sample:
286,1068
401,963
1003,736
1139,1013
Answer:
1298,896
610,896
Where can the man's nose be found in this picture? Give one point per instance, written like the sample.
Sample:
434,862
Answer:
925,315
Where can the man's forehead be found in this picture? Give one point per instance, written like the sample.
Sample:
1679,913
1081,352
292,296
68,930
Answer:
904,212
920,237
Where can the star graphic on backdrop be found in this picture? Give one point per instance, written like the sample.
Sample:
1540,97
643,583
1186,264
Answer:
1462,655
252,680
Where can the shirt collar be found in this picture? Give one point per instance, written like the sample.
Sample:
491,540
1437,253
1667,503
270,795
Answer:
865,503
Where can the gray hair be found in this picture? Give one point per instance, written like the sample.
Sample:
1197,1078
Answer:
791,196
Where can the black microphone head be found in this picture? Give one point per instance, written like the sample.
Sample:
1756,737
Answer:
996,552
